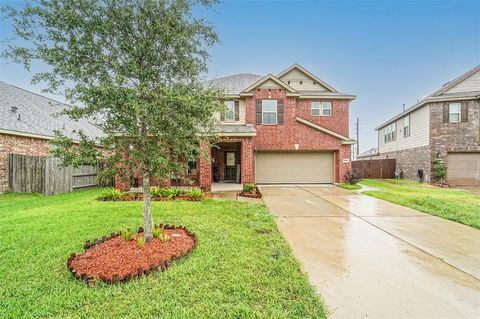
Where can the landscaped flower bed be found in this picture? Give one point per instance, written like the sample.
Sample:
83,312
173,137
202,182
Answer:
124,256
250,190
156,193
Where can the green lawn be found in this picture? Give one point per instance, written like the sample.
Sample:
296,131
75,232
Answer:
456,205
349,186
242,267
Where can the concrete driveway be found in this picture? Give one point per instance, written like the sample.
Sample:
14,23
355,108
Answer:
371,258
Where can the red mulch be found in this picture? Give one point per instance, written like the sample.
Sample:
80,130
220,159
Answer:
139,197
124,258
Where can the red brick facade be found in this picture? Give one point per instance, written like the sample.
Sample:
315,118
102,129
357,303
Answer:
283,137
13,144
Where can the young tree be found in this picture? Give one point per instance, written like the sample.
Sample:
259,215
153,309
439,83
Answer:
131,67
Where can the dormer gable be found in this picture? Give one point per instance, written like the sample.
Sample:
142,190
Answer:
300,79
270,82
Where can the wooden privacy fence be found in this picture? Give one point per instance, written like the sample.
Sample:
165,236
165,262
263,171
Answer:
378,168
33,174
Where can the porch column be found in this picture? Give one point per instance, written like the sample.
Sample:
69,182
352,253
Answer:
205,166
247,165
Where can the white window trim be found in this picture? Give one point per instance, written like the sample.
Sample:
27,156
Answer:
226,112
270,112
390,133
404,126
451,113
321,107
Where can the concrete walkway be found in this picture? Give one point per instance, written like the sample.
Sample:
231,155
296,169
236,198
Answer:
371,258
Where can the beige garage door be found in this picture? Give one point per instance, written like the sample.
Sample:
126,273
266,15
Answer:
295,168
463,169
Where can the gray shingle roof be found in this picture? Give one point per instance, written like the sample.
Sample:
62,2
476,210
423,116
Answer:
229,128
234,84
34,114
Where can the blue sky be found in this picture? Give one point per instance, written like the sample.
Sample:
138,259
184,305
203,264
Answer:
388,53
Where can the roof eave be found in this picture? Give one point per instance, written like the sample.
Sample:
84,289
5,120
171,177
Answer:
331,97
423,102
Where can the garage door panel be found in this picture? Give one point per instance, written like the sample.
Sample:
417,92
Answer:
463,169
283,167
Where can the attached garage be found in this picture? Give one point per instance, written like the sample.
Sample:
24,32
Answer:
294,167
463,169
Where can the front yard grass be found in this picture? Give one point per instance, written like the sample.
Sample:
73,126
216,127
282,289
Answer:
242,267
456,205
349,186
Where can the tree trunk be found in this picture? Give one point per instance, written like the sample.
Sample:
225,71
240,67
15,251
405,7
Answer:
147,213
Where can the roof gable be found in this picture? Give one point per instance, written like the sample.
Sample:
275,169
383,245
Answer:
469,81
296,69
270,79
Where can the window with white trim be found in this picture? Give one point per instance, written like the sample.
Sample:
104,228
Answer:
454,112
269,112
390,132
406,126
230,111
323,108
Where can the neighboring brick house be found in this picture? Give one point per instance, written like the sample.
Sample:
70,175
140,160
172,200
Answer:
27,124
289,128
445,124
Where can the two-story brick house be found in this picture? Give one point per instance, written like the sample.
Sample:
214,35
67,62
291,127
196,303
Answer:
445,124
288,128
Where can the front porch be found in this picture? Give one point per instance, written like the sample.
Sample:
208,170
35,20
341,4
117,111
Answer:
231,165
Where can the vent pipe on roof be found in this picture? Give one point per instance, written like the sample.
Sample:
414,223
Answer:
14,109
403,107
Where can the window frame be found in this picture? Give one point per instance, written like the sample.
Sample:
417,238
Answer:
330,108
270,112
321,108
450,113
390,132
407,128
228,110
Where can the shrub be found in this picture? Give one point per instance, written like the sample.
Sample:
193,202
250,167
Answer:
439,170
195,193
249,187
126,234
111,194
353,176
140,242
157,231
171,192
155,191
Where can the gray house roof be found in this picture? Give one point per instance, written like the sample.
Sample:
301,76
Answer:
234,84
242,84
27,113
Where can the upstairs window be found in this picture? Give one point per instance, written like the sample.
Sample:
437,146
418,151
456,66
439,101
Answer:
323,108
269,112
454,112
230,111
390,132
406,126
